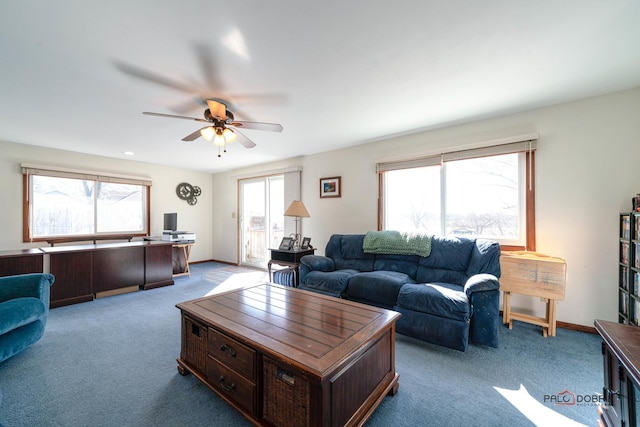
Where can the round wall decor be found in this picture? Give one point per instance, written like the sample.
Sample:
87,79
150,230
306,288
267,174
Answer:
188,192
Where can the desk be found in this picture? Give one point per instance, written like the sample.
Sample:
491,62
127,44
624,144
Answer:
536,275
288,259
180,254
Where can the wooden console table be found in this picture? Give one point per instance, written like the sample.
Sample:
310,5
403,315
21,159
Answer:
286,357
289,259
536,275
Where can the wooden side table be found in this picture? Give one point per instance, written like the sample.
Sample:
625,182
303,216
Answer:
289,259
536,275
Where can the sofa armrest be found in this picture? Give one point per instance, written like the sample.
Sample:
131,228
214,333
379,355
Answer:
34,285
481,282
317,263
309,263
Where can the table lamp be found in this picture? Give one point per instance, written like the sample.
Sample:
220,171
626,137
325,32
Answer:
296,209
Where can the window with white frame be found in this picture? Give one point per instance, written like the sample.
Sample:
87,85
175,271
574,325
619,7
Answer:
484,193
69,203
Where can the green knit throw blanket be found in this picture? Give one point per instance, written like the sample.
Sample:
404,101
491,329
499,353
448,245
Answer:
397,243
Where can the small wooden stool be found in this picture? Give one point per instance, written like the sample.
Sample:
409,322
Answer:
536,275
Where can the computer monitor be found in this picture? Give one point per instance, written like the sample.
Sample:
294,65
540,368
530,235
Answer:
170,221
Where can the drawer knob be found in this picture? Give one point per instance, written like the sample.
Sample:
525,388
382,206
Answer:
228,349
224,386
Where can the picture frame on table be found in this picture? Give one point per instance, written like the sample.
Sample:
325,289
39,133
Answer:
306,243
330,187
286,244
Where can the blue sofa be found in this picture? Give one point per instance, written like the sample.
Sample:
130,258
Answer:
450,297
24,306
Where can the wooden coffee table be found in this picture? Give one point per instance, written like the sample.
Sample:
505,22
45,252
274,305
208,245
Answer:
287,357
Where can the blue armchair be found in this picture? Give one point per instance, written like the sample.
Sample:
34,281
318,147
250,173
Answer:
24,307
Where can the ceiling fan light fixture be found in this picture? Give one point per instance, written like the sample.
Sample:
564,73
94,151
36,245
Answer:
219,139
229,135
207,133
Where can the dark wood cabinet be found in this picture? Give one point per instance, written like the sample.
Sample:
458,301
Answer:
117,268
158,268
21,262
84,271
621,364
73,277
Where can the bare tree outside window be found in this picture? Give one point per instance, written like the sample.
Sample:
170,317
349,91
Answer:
479,197
73,207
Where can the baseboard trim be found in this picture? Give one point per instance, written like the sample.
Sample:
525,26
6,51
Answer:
572,326
214,260
118,291
575,327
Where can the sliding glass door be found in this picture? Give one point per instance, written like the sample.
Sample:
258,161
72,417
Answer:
261,218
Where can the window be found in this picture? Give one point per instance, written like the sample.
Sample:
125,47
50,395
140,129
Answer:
485,193
66,204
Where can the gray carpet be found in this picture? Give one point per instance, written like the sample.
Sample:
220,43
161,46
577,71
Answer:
111,362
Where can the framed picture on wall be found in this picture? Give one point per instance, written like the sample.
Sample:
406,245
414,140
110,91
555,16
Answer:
330,187
286,244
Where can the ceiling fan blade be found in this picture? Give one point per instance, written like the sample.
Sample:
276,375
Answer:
243,140
271,127
217,109
195,135
155,78
208,66
173,116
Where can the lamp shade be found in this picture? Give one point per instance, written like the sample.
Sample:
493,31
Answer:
296,208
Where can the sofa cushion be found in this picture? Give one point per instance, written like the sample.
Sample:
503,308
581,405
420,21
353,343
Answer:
440,275
407,264
485,258
379,287
440,299
346,251
448,262
451,253
18,312
328,282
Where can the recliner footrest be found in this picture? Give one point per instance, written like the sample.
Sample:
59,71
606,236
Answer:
438,299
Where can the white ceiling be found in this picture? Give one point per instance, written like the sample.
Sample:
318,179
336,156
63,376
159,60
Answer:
76,75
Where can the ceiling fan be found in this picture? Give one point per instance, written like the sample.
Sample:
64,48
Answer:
222,128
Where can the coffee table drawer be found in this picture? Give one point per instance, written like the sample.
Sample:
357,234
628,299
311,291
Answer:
286,395
232,353
231,384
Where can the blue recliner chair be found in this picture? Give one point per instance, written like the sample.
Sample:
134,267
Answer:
24,306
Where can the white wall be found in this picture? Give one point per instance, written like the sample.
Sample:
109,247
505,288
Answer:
586,173
196,218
